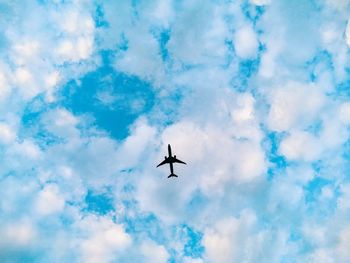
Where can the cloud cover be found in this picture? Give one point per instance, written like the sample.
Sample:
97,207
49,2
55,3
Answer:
251,94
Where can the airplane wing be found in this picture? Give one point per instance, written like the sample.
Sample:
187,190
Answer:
178,161
164,162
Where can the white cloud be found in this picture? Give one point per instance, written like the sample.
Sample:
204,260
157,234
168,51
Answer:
78,35
51,81
17,235
25,51
142,58
340,5
245,42
294,105
316,235
342,247
25,150
75,22
131,151
163,12
334,35
62,123
49,200
321,255
327,193
240,240
75,50
7,133
344,113
245,111
220,243
330,34
286,194
4,87
342,202
26,83
334,133
260,2
153,253
22,75
103,239
199,38
192,260
301,146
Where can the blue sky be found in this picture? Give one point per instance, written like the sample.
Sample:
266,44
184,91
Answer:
252,94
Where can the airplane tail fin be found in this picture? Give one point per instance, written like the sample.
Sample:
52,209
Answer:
172,175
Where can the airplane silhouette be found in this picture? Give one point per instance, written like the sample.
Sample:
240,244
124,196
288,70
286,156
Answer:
170,160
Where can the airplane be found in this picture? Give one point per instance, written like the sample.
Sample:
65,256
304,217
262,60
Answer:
170,160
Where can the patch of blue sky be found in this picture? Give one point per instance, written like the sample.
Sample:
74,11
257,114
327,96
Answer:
99,18
150,226
20,255
33,110
278,162
193,247
146,224
115,100
190,239
31,125
230,54
196,204
314,187
247,68
252,12
164,38
99,203
123,45
321,62
342,90
162,35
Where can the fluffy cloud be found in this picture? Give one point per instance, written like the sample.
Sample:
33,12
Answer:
238,239
17,234
293,105
194,35
142,58
49,201
154,253
103,239
260,2
246,43
300,146
341,249
4,88
7,135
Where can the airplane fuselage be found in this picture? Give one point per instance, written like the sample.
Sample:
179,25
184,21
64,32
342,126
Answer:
170,160
169,150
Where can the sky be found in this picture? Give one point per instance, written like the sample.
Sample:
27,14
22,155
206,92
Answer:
252,94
